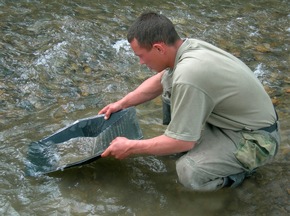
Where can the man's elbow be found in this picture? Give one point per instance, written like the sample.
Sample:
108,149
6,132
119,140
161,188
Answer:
189,145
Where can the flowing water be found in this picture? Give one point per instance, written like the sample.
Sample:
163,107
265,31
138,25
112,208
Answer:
64,60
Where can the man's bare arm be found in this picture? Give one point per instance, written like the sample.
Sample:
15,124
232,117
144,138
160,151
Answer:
148,90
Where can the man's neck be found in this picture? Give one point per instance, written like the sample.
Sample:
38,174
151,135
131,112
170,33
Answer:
173,52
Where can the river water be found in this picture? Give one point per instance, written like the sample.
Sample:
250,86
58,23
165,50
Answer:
64,60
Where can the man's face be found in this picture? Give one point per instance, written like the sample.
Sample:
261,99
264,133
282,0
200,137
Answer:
151,58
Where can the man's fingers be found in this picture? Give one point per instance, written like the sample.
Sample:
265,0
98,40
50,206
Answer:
107,111
107,152
102,111
107,116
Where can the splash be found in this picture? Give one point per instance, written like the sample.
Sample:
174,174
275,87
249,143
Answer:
57,51
259,72
122,44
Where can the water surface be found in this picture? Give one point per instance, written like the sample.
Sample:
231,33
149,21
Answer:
64,60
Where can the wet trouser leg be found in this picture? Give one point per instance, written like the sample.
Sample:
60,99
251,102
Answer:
212,164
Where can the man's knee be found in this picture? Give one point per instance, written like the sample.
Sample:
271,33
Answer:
193,176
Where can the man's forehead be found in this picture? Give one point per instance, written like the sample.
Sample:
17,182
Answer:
138,50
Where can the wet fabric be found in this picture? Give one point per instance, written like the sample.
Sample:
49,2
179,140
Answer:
213,164
256,149
209,88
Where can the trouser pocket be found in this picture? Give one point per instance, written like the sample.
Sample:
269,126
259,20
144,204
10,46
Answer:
255,149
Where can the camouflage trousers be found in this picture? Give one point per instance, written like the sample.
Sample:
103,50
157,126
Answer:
225,157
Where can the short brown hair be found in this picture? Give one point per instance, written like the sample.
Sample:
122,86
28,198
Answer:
151,28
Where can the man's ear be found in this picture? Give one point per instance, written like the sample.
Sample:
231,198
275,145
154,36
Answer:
160,47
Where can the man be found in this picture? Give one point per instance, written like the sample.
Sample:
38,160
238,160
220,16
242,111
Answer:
217,111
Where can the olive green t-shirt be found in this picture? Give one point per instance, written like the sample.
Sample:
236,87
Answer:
210,85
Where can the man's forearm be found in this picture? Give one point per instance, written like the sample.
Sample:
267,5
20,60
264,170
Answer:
148,90
122,147
161,145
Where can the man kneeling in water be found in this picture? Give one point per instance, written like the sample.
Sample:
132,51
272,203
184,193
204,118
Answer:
217,111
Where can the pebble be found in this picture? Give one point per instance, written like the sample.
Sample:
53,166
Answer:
275,101
87,69
263,48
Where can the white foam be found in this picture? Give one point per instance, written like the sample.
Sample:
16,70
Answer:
56,50
259,70
121,44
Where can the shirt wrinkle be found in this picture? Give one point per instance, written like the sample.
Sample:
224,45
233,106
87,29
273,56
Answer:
196,87
209,85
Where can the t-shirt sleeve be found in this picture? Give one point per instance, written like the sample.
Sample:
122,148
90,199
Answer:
190,109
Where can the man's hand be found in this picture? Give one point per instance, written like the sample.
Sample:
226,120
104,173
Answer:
109,109
119,148
122,147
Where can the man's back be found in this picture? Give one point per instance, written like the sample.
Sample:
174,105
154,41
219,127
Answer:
236,97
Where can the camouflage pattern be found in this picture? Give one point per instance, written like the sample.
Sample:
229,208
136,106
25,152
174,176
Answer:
256,149
225,157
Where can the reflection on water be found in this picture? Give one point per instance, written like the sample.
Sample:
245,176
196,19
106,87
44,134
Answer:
66,151
64,60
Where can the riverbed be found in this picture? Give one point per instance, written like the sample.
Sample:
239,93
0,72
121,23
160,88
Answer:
64,60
